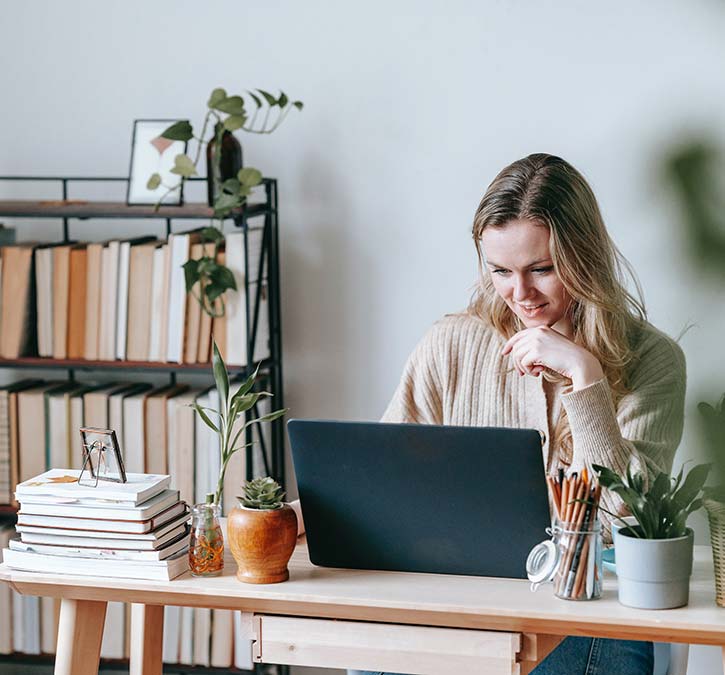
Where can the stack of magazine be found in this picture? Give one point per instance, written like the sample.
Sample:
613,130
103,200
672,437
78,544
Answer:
133,530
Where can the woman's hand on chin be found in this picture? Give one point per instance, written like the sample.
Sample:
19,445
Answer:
534,349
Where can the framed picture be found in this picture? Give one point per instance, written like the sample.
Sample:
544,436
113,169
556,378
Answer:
150,154
101,457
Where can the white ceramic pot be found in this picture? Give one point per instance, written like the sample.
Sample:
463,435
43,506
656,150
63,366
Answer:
654,573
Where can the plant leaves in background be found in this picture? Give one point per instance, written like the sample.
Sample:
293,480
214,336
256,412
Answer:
234,122
249,176
154,181
184,166
216,97
180,131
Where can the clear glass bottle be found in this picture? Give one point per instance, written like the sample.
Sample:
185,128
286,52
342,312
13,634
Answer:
206,547
579,572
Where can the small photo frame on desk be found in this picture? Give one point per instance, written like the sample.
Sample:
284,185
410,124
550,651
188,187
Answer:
102,459
150,154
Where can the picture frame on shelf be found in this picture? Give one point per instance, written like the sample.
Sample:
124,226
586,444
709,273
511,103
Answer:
152,154
102,460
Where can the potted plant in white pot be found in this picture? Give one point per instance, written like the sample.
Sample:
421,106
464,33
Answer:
654,557
713,418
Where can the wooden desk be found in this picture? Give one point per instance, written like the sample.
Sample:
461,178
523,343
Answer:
409,623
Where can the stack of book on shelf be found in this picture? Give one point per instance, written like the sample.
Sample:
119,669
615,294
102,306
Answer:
126,299
134,530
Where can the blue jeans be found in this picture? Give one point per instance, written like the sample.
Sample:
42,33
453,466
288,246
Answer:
588,656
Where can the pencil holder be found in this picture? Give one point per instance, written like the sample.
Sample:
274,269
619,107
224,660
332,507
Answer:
571,559
579,570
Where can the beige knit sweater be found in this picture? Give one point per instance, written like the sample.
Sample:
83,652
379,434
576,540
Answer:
457,375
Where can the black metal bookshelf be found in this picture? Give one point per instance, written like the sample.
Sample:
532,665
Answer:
251,216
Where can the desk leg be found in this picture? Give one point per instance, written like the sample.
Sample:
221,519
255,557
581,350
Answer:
80,632
147,637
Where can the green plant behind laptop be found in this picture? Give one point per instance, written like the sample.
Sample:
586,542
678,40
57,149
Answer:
713,419
661,507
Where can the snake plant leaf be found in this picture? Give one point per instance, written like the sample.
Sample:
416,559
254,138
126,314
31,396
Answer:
179,131
217,96
692,486
221,377
183,166
154,181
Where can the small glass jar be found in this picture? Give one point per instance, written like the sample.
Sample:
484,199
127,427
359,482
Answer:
206,547
572,560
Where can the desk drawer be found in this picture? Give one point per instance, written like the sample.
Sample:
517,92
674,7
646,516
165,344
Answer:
387,647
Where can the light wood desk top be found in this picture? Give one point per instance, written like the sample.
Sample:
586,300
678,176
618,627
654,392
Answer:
405,598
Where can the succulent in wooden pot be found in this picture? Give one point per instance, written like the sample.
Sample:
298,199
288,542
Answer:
262,532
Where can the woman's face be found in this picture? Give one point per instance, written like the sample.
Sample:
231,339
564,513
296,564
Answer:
518,259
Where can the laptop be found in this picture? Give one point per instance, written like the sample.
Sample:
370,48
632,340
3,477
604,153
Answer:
420,498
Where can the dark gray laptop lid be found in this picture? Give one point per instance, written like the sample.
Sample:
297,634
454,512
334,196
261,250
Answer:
420,498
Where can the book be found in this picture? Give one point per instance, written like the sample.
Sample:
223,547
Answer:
134,431
103,525
77,301
108,301
63,447
170,645
242,645
181,423
162,570
115,416
63,483
179,252
140,542
122,292
202,634
32,430
94,253
96,403
222,638
180,543
159,304
207,462
18,336
6,598
59,301
141,293
186,635
108,510
156,427
219,323
193,313
237,326
44,299
49,616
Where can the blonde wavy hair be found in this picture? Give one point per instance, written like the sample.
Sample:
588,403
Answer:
605,316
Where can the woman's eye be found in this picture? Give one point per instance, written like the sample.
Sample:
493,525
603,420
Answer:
500,271
542,270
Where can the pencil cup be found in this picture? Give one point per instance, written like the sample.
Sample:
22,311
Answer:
579,569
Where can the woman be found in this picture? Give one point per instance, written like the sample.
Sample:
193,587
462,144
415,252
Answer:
553,340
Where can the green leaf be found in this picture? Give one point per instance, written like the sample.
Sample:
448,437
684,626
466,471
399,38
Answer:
223,276
298,104
204,417
225,202
271,100
234,122
217,96
179,131
213,291
691,487
233,105
249,176
184,166
231,185
212,234
191,273
255,98
607,477
221,376
154,181
282,101
247,385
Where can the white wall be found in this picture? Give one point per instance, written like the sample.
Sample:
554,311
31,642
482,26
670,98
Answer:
411,109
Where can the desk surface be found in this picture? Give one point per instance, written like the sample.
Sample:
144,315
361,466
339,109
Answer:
398,597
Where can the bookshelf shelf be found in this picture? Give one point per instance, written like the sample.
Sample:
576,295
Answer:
83,209
138,366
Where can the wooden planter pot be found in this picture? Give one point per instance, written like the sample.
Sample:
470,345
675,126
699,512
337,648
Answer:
262,543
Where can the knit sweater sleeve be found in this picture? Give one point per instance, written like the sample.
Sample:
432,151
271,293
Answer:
644,428
417,399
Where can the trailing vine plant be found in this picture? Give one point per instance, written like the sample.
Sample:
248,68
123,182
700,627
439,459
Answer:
224,113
